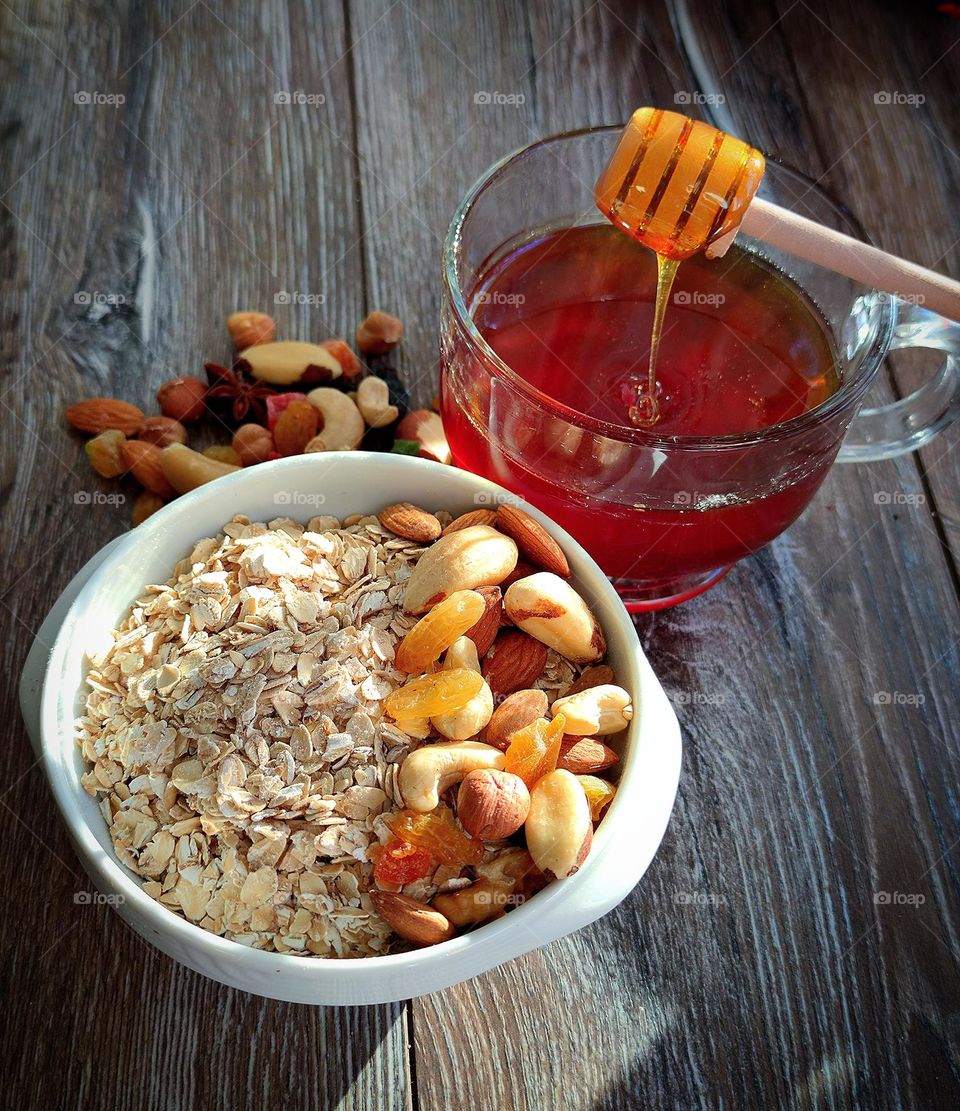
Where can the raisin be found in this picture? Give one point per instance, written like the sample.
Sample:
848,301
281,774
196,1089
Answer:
534,750
432,695
433,634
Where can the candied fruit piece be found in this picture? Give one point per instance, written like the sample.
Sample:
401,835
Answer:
437,630
534,750
438,834
399,863
599,794
431,695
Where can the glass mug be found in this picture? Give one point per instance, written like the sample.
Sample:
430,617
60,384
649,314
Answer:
666,516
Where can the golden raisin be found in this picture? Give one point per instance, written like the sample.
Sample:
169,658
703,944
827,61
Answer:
599,794
437,630
105,453
431,695
437,834
534,750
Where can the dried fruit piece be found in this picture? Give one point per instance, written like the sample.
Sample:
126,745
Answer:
144,461
433,694
534,750
105,453
598,676
437,630
378,332
277,403
515,662
437,834
343,353
599,794
161,431
484,632
145,505
516,712
250,328
253,444
296,427
492,804
532,539
410,522
398,863
585,755
474,517
412,920
222,453
97,414
462,724
182,399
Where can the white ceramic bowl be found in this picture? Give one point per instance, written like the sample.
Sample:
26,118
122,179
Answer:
98,598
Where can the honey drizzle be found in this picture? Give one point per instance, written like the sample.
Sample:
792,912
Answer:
644,412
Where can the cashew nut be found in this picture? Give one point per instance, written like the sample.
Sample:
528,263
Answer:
597,710
373,401
548,608
459,725
559,827
431,770
343,425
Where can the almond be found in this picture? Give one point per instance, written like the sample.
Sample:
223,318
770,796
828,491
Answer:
296,427
97,414
484,632
520,709
492,804
523,570
411,522
598,676
411,919
144,463
474,517
585,755
532,539
516,662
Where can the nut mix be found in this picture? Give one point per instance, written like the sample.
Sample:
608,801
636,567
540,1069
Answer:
294,740
259,404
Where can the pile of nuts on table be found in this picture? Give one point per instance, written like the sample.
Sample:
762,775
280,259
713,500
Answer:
259,401
321,739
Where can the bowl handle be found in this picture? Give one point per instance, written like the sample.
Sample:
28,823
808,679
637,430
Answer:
35,665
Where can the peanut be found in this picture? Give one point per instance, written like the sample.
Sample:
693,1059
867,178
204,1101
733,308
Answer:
597,710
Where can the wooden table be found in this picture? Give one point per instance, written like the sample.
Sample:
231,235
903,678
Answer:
795,942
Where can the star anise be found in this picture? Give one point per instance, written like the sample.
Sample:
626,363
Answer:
242,396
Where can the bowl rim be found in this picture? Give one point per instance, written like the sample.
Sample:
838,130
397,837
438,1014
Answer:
116,876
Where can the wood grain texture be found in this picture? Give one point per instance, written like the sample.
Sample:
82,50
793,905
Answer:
757,964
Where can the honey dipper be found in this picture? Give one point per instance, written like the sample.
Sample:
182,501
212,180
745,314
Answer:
681,186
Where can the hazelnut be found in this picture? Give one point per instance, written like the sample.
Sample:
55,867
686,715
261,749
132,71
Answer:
182,399
161,431
250,328
379,332
492,804
252,443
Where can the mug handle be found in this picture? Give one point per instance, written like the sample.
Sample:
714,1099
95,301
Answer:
906,425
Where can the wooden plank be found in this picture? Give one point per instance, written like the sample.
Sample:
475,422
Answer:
195,196
752,967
